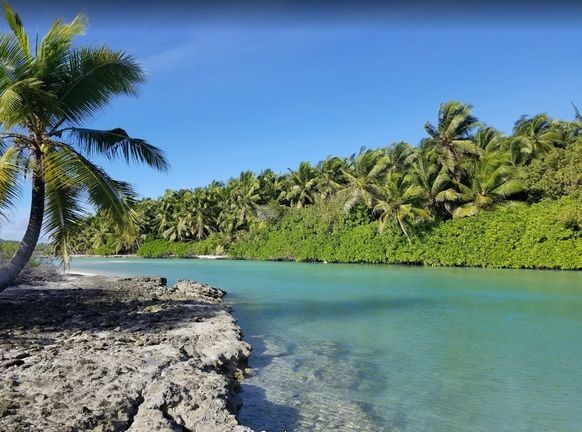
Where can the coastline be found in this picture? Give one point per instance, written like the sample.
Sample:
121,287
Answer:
104,353
323,261
203,257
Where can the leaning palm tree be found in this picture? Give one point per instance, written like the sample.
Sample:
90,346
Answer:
46,92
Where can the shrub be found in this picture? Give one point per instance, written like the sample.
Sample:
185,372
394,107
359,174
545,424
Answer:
543,235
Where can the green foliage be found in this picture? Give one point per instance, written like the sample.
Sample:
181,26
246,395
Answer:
558,173
453,200
7,249
544,235
164,248
47,91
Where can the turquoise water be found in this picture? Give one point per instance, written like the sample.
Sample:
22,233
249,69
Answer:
389,348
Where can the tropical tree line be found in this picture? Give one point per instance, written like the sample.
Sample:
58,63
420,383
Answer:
463,167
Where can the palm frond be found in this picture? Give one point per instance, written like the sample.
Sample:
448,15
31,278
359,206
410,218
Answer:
93,76
510,187
66,166
115,142
13,62
9,180
447,195
18,99
466,210
54,47
17,28
63,217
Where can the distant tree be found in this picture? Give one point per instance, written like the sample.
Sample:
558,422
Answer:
365,172
451,139
400,202
537,135
492,181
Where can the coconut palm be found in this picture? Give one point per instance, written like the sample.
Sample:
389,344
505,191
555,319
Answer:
329,176
243,198
537,134
451,138
488,139
269,186
492,182
399,201
401,155
301,186
200,216
366,170
431,177
46,92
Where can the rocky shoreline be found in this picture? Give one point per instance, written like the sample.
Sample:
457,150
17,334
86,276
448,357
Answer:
95,353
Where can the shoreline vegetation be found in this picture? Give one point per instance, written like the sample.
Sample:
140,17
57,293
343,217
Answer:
534,237
152,357
466,195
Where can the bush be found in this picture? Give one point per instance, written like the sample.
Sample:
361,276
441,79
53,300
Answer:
556,174
544,235
166,248
7,249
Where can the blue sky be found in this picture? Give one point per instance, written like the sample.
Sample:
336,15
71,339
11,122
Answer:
227,93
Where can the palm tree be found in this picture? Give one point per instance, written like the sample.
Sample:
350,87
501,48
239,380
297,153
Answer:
45,94
301,186
400,201
243,198
431,177
366,170
268,186
492,181
329,175
401,155
537,134
201,224
451,139
488,139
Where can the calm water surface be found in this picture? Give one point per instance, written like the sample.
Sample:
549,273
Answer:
388,348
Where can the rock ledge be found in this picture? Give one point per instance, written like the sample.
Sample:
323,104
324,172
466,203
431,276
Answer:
96,353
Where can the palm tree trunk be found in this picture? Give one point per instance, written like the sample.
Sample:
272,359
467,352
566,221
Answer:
403,230
12,269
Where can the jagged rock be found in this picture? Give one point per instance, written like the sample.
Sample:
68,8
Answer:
107,354
198,289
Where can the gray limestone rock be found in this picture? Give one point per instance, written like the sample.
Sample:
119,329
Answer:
105,354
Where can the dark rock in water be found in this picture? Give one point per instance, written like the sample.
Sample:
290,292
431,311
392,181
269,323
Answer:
107,354
156,281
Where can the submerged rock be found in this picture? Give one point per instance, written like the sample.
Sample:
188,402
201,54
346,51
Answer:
108,354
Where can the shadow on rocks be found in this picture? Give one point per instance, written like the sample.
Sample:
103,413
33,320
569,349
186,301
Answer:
109,304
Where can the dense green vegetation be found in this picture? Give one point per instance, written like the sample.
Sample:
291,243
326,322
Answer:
544,235
465,195
48,89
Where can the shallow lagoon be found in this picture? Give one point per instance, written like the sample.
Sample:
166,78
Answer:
374,348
